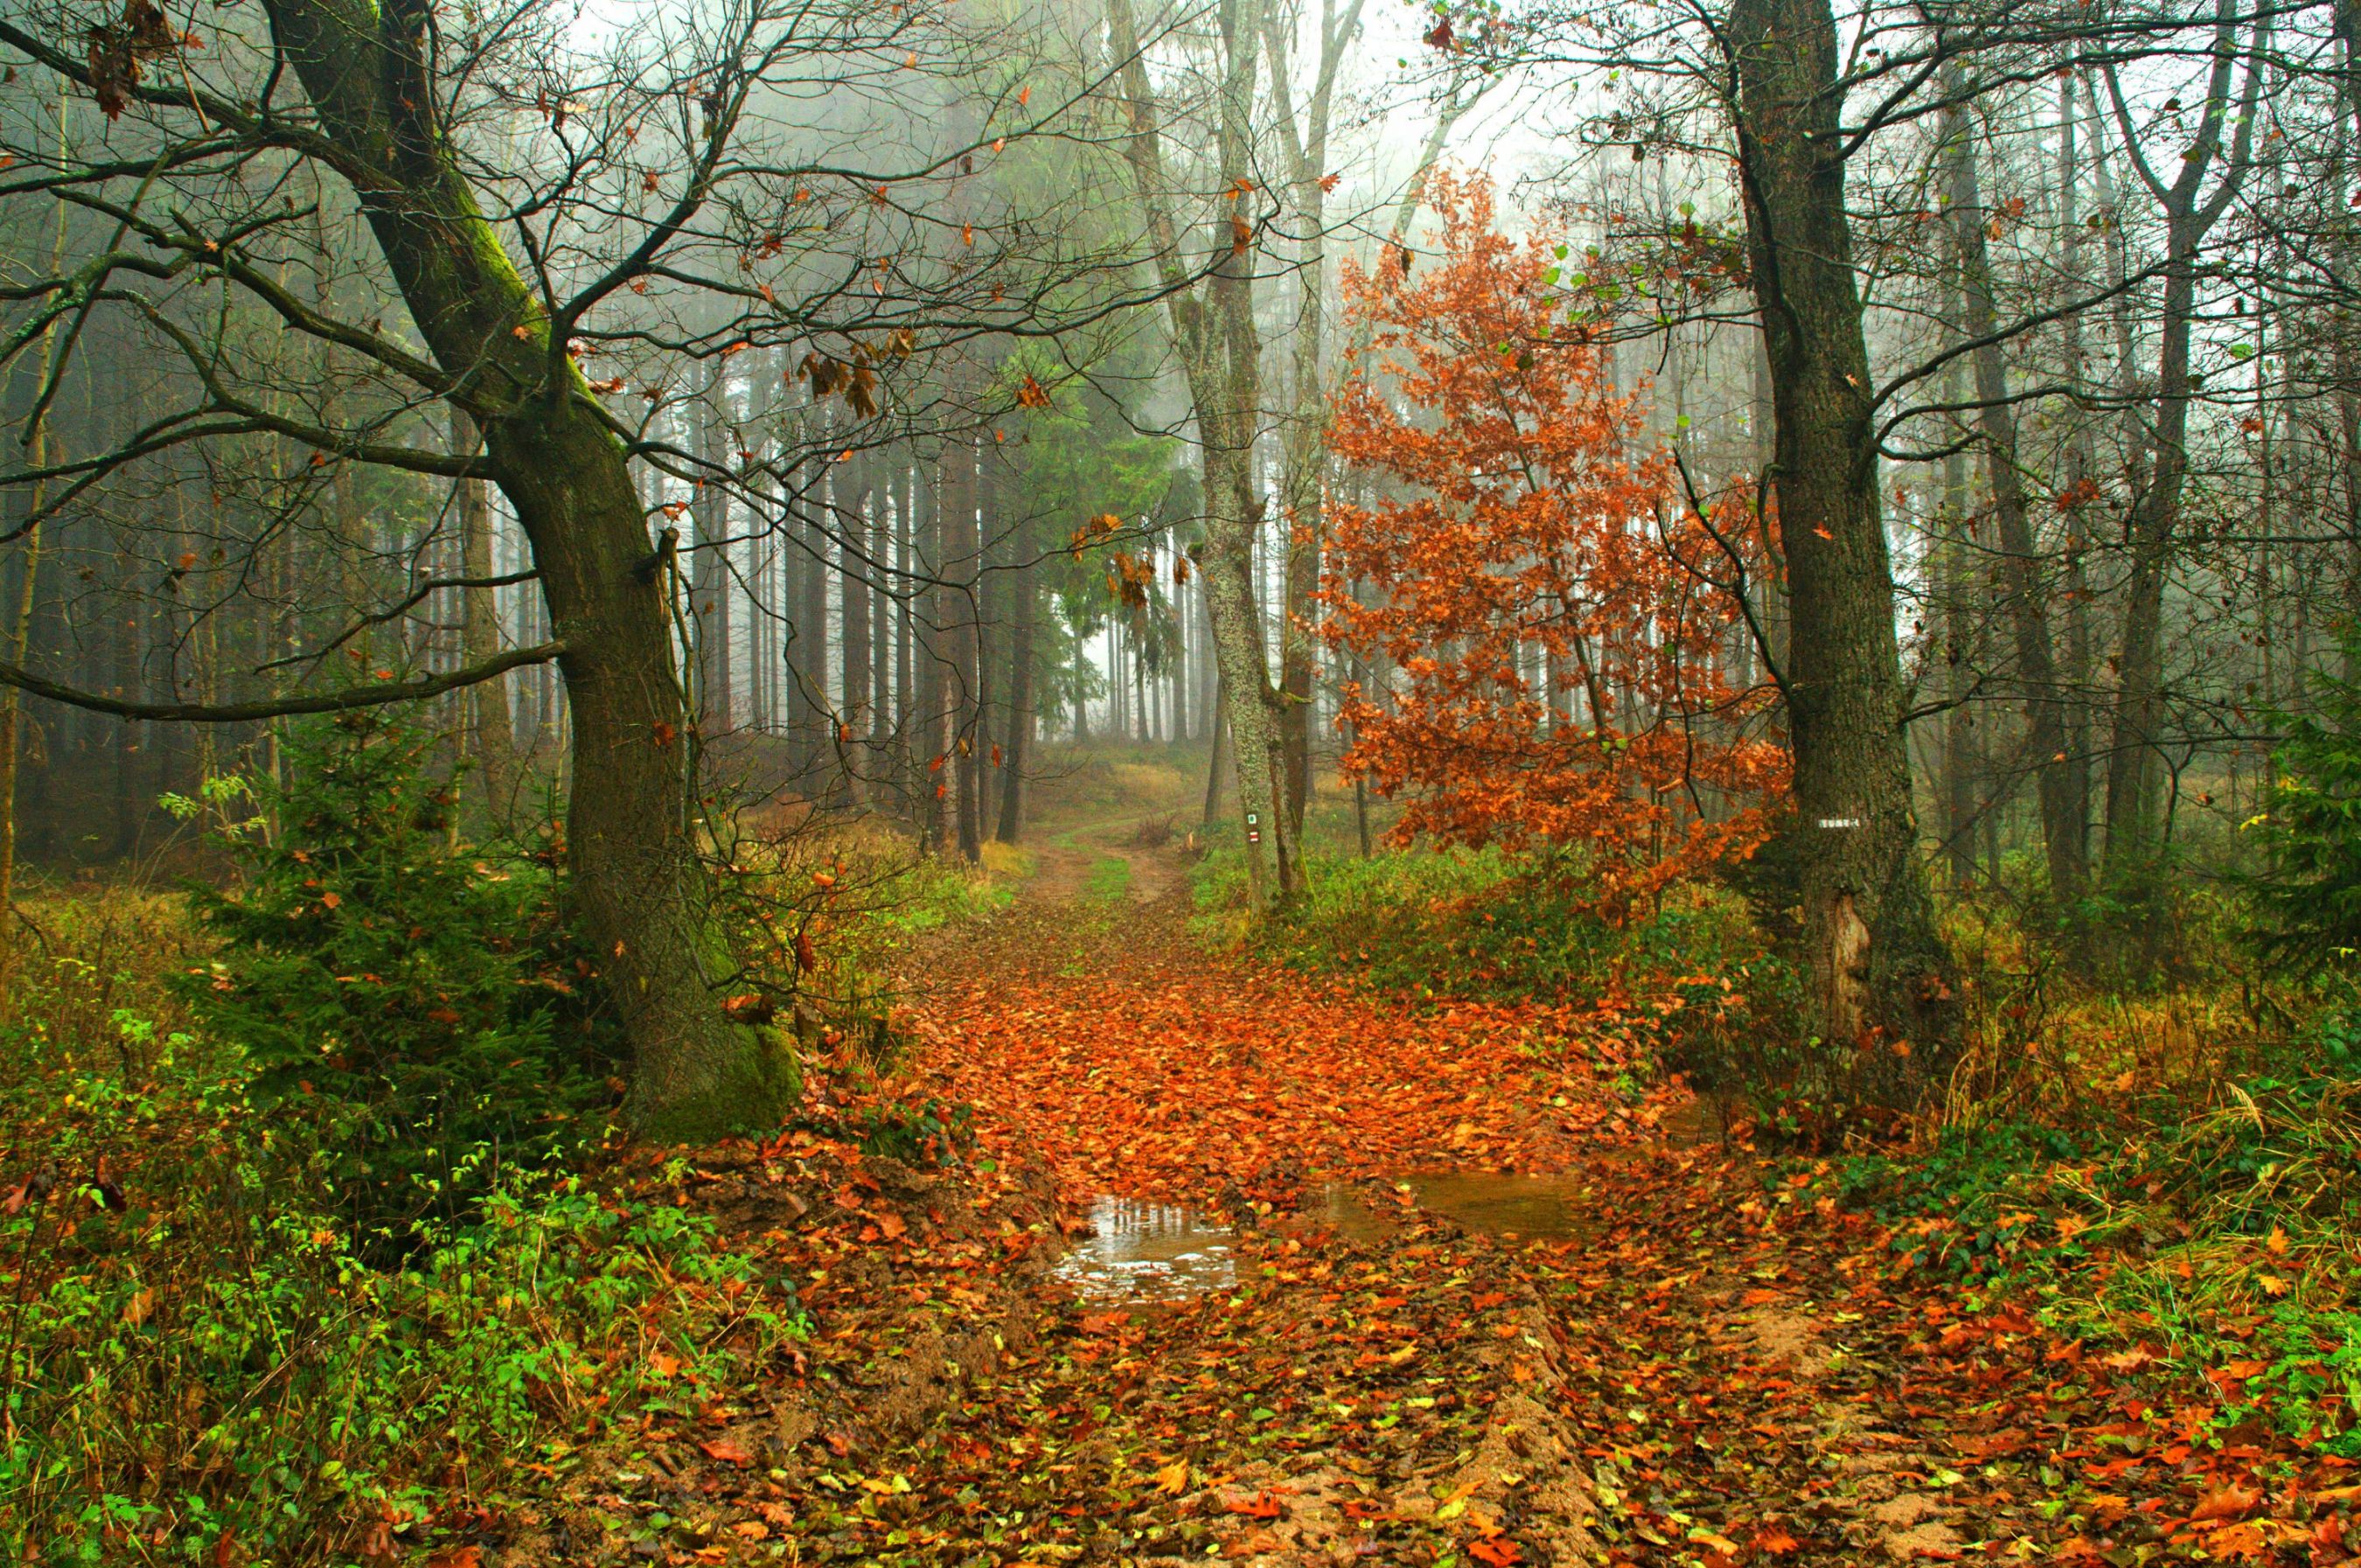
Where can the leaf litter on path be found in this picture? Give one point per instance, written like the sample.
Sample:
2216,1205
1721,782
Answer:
1711,1370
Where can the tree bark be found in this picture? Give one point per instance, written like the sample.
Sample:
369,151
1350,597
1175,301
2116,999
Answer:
855,486
1025,599
1880,988
905,581
932,612
962,552
1217,756
1304,443
491,738
1220,349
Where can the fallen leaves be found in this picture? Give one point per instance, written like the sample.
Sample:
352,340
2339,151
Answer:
1188,1080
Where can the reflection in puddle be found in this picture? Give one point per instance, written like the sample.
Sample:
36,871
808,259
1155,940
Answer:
1148,1252
1525,1208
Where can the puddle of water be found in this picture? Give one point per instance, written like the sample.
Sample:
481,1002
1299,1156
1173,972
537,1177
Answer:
1525,1208
1143,1252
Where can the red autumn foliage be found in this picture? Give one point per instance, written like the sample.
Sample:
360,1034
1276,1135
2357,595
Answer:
1556,664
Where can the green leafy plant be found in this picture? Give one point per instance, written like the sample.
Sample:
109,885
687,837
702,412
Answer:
414,1004
2309,896
924,1132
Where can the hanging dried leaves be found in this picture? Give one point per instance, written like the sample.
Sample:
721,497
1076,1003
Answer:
118,51
830,378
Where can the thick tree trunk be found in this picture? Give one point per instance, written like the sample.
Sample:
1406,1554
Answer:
1240,656
636,879
1880,975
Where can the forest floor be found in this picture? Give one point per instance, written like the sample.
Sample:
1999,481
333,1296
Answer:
1251,1265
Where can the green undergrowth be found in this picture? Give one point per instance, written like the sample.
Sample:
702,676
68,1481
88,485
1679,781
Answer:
935,891
2214,1234
1439,923
1108,879
206,1359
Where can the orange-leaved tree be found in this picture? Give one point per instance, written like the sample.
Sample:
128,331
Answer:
1553,665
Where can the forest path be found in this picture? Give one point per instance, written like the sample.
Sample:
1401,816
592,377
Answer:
1305,1320
1132,856
1254,1266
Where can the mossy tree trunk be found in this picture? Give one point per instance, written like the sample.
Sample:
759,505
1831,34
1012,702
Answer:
642,891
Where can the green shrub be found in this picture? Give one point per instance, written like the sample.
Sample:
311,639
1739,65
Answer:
924,1132
413,1005
2221,1232
2309,896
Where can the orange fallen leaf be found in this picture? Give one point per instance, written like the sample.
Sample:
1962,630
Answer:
2231,1502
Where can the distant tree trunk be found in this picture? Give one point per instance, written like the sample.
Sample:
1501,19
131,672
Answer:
854,491
1304,443
1217,757
708,580
2026,585
2081,486
884,533
124,643
1219,350
822,781
906,585
931,614
1956,781
41,452
1024,596
1880,973
492,739
2135,827
792,698
962,558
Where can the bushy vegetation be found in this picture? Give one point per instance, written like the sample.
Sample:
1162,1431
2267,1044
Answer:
199,1343
310,1213
411,1010
1476,922
2217,1234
